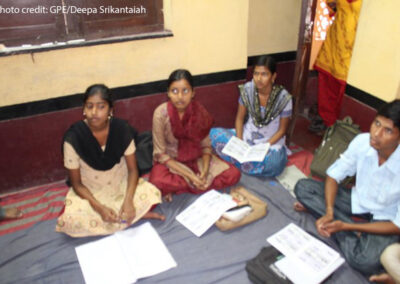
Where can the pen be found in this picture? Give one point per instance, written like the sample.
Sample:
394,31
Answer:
238,207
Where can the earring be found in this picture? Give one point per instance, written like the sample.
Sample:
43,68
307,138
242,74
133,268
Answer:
110,115
84,113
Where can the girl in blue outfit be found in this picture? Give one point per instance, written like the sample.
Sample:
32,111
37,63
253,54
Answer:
263,117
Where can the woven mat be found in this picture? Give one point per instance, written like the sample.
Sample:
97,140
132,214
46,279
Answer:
47,202
37,204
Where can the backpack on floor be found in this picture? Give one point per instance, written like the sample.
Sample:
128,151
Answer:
144,152
335,141
261,269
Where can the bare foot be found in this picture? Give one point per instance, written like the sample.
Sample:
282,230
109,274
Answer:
297,206
382,278
154,215
168,197
12,213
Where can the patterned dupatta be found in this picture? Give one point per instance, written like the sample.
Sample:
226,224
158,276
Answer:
191,130
276,103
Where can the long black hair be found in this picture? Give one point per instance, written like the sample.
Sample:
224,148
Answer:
268,62
99,89
180,74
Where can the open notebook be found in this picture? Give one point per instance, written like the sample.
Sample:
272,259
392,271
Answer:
307,259
124,257
243,152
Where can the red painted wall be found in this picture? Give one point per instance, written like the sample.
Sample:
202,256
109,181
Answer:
362,114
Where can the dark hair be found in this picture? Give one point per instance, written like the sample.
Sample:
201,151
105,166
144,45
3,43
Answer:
392,111
268,62
99,89
180,74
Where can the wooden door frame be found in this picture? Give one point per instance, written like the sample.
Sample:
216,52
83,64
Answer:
300,77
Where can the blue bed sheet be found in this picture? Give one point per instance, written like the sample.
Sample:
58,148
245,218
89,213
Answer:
40,255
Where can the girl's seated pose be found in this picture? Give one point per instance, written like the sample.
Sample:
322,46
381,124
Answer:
99,154
182,149
263,117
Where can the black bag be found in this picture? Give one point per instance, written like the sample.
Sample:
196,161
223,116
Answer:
261,269
144,152
335,141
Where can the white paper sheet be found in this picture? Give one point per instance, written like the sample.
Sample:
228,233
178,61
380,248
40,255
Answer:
243,152
145,251
102,262
307,259
205,211
289,177
290,240
299,273
124,256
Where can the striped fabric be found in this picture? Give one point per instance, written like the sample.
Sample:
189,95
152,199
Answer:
47,202
38,204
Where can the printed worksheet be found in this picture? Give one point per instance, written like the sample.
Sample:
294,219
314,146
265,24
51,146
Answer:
289,177
307,259
243,152
205,211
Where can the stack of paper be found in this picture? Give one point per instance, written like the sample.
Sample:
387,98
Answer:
307,259
289,177
124,256
205,211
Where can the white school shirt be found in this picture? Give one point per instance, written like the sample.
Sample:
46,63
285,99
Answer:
377,188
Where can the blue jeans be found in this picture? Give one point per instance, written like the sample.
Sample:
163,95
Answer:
361,252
